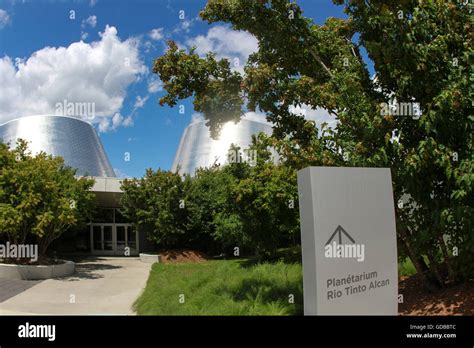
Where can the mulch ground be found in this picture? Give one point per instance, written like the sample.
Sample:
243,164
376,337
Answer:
455,300
182,255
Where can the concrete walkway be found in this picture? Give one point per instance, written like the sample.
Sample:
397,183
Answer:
12,287
100,285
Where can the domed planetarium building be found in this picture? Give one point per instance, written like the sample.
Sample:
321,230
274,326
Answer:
197,148
78,143
69,137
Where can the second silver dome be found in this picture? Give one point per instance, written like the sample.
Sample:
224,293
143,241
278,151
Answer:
198,149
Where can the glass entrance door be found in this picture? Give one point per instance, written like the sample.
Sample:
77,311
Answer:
121,231
96,238
126,237
102,237
112,239
108,237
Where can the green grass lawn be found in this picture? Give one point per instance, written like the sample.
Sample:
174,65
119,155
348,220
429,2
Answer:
224,287
228,287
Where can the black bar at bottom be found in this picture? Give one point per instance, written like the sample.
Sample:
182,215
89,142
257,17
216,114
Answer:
107,330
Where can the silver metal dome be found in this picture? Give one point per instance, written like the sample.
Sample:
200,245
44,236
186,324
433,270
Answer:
198,149
71,138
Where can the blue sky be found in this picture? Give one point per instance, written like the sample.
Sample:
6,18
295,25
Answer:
42,62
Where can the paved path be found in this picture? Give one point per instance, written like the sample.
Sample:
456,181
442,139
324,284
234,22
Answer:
12,287
100,285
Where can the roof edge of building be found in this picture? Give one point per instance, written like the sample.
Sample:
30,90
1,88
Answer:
48,115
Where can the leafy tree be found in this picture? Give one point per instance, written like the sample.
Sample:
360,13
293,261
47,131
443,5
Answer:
215,225
250,205
421,53
157,203
267,202
40,197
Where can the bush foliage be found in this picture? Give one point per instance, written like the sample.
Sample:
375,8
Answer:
40,197
252,208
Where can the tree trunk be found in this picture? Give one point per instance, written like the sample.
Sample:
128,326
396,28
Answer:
447,260
419,263
43,244
435,270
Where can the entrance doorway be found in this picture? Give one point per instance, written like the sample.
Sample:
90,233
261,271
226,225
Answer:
113,239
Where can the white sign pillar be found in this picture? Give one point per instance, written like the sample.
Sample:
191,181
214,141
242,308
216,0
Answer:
348,240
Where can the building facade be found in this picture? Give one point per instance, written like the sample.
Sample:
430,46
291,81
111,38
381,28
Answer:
109,233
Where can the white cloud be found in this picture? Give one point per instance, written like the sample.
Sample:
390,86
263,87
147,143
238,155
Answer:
104,124
90,21
127,121
154,85
4,18
117,120
234,45
185,25
92,3
97,72
140,102
148,46
156,34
